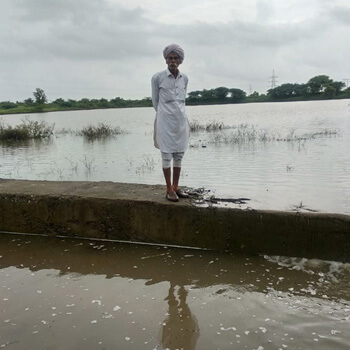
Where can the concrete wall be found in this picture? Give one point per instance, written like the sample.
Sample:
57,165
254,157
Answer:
140,213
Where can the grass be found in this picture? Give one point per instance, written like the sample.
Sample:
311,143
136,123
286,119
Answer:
88,165
245,133
195,126
242,134
92,132
146,166
27,130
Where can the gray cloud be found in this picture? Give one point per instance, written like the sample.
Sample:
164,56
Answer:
341,14
81,30
265,10
108,48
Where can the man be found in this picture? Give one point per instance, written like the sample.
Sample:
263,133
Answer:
171,127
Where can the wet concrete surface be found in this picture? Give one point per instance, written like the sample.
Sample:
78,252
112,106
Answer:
137,212
61,293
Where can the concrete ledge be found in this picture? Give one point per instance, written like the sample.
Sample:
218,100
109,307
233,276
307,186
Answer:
137,212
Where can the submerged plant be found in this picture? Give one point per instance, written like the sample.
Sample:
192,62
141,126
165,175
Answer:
88,165
195,126
292,136
215,126
289,167
92,132
146,165
245,133
64,131
242,134
27,130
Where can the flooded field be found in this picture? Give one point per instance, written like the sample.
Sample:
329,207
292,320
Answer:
282,156
60,293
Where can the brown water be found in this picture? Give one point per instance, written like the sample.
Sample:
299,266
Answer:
81,294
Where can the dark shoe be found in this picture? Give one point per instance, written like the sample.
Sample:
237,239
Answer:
172,197
180,192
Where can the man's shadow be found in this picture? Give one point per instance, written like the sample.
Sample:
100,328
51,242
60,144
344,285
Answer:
180,329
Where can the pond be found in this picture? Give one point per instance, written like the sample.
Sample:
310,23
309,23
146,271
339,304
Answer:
282,156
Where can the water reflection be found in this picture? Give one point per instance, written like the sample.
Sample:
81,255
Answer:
16,145
187,268
180,329
107,295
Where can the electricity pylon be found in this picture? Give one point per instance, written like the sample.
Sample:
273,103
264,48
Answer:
273,80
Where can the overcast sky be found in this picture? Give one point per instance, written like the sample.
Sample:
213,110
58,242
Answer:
109,48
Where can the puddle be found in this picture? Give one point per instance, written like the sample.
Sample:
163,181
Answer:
81,294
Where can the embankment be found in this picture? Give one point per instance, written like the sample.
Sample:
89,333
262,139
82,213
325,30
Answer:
136,212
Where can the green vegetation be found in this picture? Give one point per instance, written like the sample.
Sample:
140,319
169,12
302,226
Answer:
92,132
40,97
216,96
39,104
320,87
246,133
27,130
195,126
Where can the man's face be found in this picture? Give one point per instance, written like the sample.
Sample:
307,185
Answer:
173,60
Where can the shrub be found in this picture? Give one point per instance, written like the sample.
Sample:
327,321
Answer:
28,129
102,130
212,126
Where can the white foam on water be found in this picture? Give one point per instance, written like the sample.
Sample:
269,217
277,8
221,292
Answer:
330,269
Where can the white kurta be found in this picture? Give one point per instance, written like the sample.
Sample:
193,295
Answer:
171,127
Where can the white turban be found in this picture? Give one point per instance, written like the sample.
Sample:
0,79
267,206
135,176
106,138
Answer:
174,48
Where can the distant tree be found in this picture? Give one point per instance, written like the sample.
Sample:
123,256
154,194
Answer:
59,102
208,95
274,93
288,90
40,96
64,104
95,103
301,90
282,91
338,86
347,91
29,102
254,94
103,103
71,103
317,84
146,101
7,105
117,102
253,97
221,93
218,95
237,95
194,96
84,103
329,90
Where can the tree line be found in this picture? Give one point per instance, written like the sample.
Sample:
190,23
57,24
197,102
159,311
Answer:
40,104
318,87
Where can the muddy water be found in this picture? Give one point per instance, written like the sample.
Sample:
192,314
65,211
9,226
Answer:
79,294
